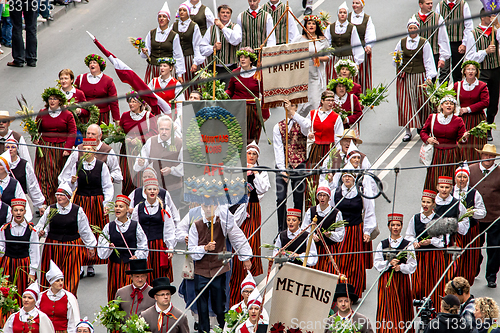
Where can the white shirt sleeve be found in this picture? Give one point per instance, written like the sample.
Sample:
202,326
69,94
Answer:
234,35
34,190
23,150
240,243
379,262
169,230
114,167
279,152
145,155
107,187
147,43
9,324
271,41
84,230
443,41
135,213
293,31
199,250
73,315
338,234
327,34
197,39
277,245
480,209
142,243
41,222
34,252
370,220
180,65
357,51
396,49
312,259
338,129
430,66
370,34
240,215
182,229
306,220
463,226
305,123
468,24
178,170
172,209
411,261
261,182
210,18
104,251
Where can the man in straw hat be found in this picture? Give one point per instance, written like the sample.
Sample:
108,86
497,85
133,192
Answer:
6,133
345,297
489,188
135,295
162,316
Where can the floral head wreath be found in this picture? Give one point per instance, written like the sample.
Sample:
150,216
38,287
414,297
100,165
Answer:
340,80
137,97
351,66
95,57
247,52
54,92
170,61
314,18
448,98
471,62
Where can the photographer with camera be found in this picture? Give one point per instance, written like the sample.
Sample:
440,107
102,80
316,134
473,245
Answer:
448,320
460,288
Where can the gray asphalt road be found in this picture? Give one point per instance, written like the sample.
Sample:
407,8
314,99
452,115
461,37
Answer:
65,44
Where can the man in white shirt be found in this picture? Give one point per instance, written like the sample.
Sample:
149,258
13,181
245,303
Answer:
256,25
276,9
6,133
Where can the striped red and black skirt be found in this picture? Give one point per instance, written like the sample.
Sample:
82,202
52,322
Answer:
152,71
395,303
431,265
471,120
324,263
410,98
68,258
104,117
129,182
365,73
161,266
318,151
441,156
254,126
188,76
18,270
48,168
353,265
467,263
117,278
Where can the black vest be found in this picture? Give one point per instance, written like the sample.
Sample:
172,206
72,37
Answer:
441,210
294,247
401,247
89,181
470,202
20,173
4,209
420,227
352,209
151,224
252,191
330,219
117,240
64,228
17,250
138,198
9,192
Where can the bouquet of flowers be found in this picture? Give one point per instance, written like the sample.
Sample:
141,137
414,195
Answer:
435,91
312,191
97,230
8,295
325,19
340,111
401,255
233,318
93,110
52,212
481,130
139,44
374,97
334,226
29,123
397,57
469,213
110,315
112,134
135,324
344,326
208,87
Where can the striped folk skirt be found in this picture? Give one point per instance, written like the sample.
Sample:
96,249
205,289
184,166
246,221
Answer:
471,120
467,264
395,305
410,98
117,278
129,182
67,258
48,168
254,126
17,269
318,151
94,209
431,265
152,71
239,273
365,73
441,156
353,265
324,263
188,76
330,68
368,248
104,117
155,262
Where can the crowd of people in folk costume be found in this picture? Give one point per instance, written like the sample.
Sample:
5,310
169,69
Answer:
72,181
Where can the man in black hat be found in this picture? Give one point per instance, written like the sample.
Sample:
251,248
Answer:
162,316
345,297
448,319
134,296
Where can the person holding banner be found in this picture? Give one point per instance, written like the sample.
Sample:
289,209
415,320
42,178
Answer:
276,8
367,35
254,316
238,89
329,241
395,257
425,277
359,212
343,35
256,25
317,75
295,251
162,42
323,120
155,218
123,233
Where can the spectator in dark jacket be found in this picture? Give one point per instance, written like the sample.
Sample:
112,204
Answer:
460,288
448,320
486,313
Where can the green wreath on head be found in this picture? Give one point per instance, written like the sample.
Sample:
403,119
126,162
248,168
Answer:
235,141
97,58
471,62
54,92
247,54
340,80
349,64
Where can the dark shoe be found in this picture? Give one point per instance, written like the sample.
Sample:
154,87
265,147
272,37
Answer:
50,18
490,137
418,131
196,326
90,271
9,45
407,137
308,11
304,3
14,64
31,64
492,284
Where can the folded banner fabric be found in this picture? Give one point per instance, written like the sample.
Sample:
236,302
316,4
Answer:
288,74
301,299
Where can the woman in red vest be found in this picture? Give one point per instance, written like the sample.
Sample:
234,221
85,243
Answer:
97,85
167,80
139,125
323,121
59,304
